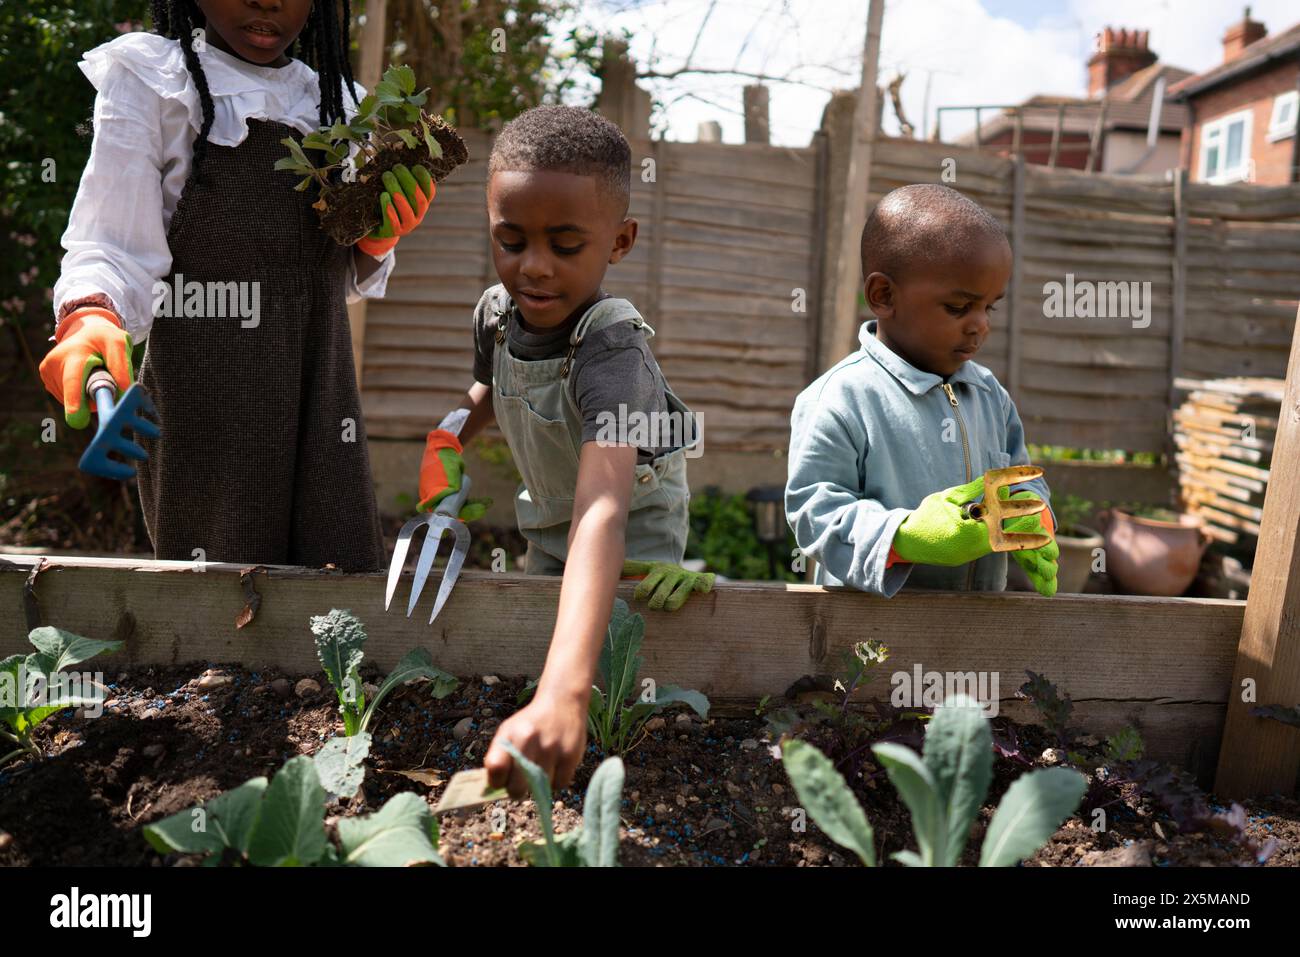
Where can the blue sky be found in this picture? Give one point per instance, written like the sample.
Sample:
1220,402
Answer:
966,51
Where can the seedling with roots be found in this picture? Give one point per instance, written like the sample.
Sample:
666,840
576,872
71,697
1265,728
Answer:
390,128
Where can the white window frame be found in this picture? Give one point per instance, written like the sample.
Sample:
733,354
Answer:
1219,127
1276,131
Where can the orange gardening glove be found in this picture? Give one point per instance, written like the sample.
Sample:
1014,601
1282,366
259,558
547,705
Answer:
441,469
88,338
402,207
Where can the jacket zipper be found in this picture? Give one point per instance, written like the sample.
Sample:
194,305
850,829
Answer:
965,451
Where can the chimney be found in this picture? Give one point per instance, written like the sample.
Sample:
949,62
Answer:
1241,35
1120,53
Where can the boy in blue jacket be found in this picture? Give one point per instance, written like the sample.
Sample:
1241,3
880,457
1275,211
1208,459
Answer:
888,445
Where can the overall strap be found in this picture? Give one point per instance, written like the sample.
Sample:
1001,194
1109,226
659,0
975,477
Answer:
604,313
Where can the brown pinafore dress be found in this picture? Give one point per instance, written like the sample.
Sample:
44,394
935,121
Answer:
262,457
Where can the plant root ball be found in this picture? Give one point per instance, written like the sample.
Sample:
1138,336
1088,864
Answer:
350,211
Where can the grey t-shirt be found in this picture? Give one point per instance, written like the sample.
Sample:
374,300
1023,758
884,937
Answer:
612,367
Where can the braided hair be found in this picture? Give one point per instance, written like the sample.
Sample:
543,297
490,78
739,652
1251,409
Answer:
322,45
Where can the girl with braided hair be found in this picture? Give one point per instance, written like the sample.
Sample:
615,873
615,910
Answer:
184,236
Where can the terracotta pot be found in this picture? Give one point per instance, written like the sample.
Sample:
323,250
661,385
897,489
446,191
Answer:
1147,557
1075,564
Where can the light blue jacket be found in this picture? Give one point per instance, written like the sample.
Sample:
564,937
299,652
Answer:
871,438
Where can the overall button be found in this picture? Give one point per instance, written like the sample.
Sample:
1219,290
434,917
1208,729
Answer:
644,478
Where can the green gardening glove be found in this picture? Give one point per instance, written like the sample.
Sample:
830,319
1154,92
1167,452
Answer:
474,509
936,534
667,586
1039,563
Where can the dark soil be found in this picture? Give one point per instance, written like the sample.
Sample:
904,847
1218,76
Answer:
351,210
697,792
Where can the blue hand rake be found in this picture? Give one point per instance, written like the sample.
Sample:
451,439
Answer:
114,420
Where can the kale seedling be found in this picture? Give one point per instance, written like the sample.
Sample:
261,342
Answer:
283,825
595,843
35,686
390,127
943,788
340,638
616,725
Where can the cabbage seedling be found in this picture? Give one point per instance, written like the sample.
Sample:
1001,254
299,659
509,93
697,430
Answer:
283,825
943,789
35,686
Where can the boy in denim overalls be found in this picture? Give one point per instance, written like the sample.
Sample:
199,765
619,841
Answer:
566,372
909,413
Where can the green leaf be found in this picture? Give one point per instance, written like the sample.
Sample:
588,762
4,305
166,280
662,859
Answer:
340,763
225,821
304,183
418,663
600,821
671,694
434,147
619,661
406,137
959,755
1031,811
288,162
13,696
388,93
541,788
296,151
826,797
291,830
58,649
340,641
418,99
365,109
401,833
916,787
317,141
401,77
410,112
443,685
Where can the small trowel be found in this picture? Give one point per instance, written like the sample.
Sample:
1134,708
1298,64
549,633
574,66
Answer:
468,789
994,510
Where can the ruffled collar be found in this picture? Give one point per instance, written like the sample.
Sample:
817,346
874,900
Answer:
240,91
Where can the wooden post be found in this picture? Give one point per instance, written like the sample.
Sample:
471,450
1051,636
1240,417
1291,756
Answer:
370,67
1018,250
1095,144
757,124
1178,319
1260,755
843,334
1056,135
658,227
1020,131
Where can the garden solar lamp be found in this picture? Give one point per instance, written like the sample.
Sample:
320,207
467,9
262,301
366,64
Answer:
114,419
769,520
995,510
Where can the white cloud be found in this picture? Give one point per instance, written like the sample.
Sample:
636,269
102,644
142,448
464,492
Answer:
970,55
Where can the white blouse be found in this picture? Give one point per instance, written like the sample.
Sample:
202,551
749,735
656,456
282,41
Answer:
147,113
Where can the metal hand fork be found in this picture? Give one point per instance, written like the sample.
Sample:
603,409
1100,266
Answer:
994,510
114,420
442,519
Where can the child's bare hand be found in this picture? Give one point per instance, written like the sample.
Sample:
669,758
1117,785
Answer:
551,732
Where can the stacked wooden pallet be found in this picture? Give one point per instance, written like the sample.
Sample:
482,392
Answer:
1224,438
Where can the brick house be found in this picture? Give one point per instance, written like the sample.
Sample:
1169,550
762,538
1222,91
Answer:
1124,77
1242,113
